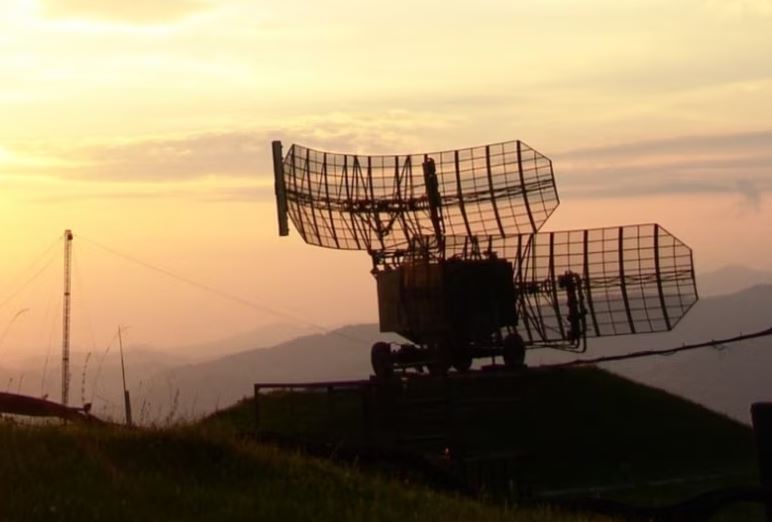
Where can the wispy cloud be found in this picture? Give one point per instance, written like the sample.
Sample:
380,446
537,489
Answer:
751,192
176,159
133,12
231,154
236,165
740,8
739,142
730,163
211,194
253,192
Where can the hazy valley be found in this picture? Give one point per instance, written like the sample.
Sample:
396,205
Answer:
189,381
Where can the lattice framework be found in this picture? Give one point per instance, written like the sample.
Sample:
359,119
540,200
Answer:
381,203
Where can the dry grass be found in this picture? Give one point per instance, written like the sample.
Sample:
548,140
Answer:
192,473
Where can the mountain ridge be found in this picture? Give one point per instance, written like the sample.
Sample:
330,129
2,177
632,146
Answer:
726,385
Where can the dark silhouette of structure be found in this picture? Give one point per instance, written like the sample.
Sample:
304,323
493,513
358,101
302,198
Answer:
16,404
461,266
66,313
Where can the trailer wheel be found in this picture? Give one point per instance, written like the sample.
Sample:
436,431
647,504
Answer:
462,359
380,358
513,350
440,358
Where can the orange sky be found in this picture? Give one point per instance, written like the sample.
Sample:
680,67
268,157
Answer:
145,126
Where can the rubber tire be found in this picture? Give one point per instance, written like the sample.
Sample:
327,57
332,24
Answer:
513,351
440,360
381,360
462,360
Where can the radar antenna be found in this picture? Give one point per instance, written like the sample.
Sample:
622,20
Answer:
462,267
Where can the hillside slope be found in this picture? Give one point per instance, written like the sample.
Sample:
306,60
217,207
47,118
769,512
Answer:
577,427
553,434
77,474
731,279
202,388
726,381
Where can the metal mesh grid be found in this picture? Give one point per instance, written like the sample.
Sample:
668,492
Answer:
380,203
634,279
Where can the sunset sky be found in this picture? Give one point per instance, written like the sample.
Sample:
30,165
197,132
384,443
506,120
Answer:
145,126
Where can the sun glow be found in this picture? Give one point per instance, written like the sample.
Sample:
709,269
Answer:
5,156
147,125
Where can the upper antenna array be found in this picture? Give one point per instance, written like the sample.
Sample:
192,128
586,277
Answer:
384,203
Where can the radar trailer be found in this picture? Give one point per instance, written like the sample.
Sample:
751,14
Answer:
462,267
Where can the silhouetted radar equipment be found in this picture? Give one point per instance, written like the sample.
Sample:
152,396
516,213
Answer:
461,267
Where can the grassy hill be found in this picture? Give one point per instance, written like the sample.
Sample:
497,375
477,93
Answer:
194,473
581,432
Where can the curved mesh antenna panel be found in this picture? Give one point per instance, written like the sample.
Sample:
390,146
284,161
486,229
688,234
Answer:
634,279
380,203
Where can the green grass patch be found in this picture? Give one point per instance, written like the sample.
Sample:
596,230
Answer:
581,431
195,473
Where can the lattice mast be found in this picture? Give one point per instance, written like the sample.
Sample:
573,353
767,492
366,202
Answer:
66,316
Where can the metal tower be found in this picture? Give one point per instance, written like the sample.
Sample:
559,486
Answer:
66,317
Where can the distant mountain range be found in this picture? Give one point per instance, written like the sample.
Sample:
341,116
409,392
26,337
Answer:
726,381
198,388
97,377
731,279
261,337
192,380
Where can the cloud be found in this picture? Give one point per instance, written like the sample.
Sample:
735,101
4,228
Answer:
741,142
231,154
751,192
215,194
237,164
132,12
174,159
244,193
730,163
740,8
235,154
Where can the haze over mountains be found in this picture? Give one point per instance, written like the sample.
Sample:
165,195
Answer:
730,279
726,381
193,380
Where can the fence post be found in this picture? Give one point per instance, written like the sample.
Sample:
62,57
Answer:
257,407
127,406
761,413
